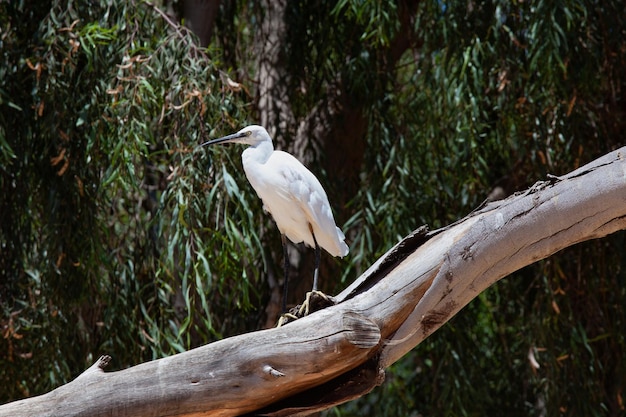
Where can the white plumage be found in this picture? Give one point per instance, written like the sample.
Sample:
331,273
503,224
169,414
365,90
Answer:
290,192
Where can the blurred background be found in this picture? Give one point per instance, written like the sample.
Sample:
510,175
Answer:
119,237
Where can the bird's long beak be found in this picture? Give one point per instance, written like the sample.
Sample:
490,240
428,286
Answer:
225,139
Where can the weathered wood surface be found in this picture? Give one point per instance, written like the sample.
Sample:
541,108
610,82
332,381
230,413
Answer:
341,352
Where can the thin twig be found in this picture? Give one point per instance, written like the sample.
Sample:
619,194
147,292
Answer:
178,30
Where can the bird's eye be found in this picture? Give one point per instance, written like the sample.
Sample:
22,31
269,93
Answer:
248,133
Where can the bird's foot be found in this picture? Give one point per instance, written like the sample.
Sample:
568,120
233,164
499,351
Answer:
314,301
286,318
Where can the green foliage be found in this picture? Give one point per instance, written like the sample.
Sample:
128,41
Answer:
118,236
498,94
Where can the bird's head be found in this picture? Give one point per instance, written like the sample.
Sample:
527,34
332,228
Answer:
250,135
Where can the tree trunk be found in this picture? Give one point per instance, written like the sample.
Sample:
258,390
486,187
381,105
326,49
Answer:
340,353
200,16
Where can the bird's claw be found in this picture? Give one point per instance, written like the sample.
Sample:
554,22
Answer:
314,301
286,318
320,299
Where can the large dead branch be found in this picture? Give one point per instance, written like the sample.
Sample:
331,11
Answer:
340,353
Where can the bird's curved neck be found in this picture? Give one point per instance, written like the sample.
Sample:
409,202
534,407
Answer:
258,153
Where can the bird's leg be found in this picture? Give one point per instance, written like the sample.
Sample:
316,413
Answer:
305,307
286,271
317,261
286,316
320,300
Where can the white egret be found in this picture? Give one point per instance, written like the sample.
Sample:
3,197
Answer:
291,194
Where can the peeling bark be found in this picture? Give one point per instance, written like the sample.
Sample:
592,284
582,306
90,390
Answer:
273,99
